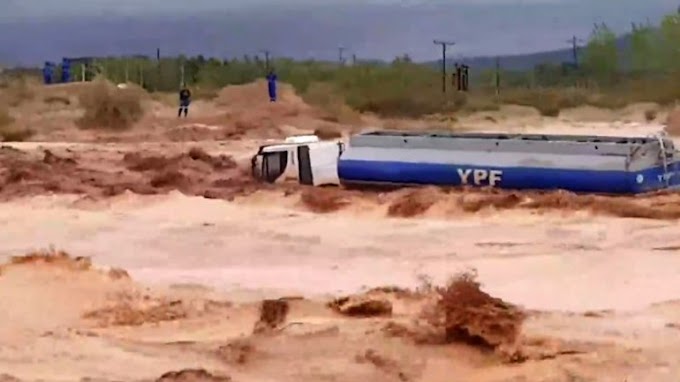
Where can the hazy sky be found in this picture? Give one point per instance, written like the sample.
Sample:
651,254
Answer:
12,9
306,28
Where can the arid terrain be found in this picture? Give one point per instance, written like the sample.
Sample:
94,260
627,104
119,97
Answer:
176,266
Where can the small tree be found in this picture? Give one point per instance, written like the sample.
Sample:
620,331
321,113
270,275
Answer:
601,55
644,48
670,35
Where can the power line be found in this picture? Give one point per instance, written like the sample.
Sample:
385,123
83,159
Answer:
444,44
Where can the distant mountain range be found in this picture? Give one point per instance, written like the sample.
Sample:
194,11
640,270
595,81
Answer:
521,62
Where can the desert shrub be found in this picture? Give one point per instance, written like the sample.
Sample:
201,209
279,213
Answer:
110,107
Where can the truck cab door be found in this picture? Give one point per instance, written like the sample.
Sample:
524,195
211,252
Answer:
304,166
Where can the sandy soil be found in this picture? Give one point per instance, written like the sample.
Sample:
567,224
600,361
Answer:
180,248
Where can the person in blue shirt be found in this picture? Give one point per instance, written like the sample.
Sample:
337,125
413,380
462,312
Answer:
65,70
271,85
48,70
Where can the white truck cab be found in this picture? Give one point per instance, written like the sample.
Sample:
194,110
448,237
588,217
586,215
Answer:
304,159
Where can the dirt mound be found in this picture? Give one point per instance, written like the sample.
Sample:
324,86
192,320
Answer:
273,314
254,93
248,111
109,107
192,375
471,316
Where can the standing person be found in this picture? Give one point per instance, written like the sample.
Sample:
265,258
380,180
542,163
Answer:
48,70
184,101
271,85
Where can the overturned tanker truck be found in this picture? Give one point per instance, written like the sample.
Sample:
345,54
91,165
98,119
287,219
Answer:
578,163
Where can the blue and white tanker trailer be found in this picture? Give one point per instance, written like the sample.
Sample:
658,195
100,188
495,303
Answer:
578,163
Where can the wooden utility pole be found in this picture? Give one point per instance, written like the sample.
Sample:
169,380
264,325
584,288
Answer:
574,41
341,60
158,69
498,76
444,44
266,59
181,74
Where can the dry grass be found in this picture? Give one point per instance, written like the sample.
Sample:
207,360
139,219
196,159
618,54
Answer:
109,107
5,118
17,91
9,132
326,98
548,102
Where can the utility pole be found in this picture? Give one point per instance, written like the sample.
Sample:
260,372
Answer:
574,41
158,69
498,76
181,71
266,59
341,60
444,44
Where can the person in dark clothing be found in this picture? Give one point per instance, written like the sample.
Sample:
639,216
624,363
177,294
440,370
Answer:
271,85
184,101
